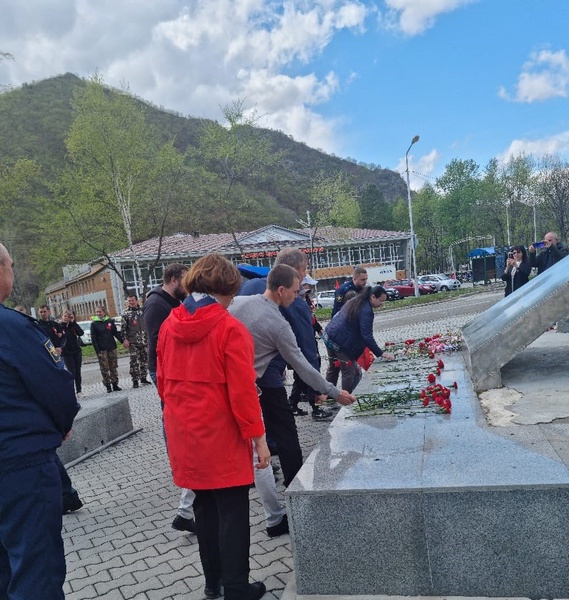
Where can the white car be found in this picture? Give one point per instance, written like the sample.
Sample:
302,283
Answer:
86,327
325,299
440,281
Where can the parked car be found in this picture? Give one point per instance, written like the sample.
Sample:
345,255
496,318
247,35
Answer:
392,293
406,288
86,327
443,283
325,299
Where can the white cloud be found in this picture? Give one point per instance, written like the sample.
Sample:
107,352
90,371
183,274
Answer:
556,144
413,17
420,169
191,56
544,76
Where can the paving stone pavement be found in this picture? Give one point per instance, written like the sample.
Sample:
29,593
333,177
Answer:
121,546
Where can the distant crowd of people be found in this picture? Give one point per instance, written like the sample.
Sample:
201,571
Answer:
217,349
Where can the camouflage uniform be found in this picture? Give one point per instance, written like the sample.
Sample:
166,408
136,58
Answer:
108,365
133,330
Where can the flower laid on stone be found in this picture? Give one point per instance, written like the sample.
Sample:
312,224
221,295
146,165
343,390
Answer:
429,346
400,390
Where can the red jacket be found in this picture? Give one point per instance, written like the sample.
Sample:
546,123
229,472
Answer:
206,380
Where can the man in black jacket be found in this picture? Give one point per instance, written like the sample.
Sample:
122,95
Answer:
38,405
51,328
158,305
159,302
552,253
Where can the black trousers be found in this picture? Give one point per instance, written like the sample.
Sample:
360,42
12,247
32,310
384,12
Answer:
73,365
281,428
299,388
222,527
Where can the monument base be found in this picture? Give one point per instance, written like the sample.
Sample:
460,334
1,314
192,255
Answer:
430,505
100,422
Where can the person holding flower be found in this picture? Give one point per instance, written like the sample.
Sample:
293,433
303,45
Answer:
349,333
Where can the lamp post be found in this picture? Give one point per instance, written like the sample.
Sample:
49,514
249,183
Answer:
414,259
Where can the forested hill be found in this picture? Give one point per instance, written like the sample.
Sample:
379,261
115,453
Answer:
35,120
56,211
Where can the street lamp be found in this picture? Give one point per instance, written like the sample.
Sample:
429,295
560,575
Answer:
414,261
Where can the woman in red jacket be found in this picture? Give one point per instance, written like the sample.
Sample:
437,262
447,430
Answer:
212,414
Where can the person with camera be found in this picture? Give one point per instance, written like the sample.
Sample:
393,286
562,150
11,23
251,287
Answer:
518,269
553,251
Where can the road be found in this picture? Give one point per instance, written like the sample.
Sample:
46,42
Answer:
461,307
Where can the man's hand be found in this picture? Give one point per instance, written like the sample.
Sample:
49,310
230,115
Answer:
387,356
345,398
320,399
263,452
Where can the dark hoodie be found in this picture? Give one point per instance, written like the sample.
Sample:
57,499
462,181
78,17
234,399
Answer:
156,308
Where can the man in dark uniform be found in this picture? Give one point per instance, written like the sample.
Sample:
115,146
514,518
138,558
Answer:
51,328
38,405
134,334
356,283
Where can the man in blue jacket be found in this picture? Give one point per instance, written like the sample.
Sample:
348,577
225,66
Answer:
357,283
38,405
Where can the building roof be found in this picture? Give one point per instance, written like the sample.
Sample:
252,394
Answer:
181,244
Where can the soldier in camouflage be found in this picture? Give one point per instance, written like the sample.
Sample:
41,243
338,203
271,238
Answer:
134,334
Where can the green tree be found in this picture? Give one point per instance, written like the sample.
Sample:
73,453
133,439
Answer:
376,212
333,201
123,182
553,190
230,158
23,195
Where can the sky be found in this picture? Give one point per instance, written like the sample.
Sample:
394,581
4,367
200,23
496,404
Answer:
475,79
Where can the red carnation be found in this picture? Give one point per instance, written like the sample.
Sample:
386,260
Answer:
431,378
426,401
337,364
441,364
454,385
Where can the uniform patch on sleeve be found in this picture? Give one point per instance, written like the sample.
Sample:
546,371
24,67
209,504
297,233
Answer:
48,345
339,298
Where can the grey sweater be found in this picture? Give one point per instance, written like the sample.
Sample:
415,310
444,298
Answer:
272,334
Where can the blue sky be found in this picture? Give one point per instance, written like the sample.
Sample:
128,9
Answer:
476,79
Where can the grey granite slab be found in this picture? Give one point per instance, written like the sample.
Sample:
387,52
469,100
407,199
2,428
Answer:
101,420
432,504
356,540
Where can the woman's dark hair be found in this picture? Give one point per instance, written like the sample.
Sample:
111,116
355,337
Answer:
353,306
523,250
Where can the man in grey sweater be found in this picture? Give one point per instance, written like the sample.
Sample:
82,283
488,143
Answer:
273,335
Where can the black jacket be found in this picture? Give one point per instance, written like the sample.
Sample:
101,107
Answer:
521,277
51,328
71,334
547,257
103,334
156,308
